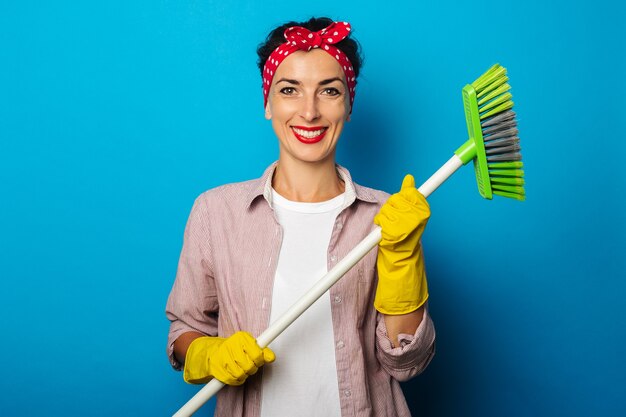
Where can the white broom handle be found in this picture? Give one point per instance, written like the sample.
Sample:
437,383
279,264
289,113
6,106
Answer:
440,176
320,287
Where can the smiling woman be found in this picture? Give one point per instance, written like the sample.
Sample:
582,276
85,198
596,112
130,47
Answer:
345,355
308,107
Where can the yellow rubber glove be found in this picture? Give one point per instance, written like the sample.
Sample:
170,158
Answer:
402,286
231,360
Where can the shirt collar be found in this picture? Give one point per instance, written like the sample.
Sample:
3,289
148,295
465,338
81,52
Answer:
263,187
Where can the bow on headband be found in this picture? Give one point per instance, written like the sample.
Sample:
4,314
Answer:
302,39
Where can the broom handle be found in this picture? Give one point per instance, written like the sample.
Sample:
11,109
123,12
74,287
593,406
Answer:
319,288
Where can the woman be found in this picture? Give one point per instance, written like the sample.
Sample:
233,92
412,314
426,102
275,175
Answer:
251,249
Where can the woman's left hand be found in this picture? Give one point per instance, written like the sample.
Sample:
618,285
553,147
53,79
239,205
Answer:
402,286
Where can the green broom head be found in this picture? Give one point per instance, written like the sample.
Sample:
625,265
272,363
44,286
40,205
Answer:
493,142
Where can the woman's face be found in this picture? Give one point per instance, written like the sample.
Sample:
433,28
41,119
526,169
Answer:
308,105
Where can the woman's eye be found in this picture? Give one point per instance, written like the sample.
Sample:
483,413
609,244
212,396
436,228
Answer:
331,91
288,90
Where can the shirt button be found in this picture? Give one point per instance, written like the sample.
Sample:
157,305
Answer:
347,393
337,299
333,257
340,344
339,226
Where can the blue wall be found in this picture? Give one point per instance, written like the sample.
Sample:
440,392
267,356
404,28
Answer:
115,115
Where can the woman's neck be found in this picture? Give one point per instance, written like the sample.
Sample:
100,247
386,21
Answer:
307,182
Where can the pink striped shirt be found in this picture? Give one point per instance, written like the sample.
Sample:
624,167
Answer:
224,284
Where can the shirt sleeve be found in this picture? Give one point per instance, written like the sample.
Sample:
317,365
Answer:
414,353
192,304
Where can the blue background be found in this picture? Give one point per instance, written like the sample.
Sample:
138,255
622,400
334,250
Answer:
115,115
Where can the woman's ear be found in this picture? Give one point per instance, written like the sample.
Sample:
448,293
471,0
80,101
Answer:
268,113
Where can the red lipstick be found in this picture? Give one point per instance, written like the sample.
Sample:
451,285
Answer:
309,140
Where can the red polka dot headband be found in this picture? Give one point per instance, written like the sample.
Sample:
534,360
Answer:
302,39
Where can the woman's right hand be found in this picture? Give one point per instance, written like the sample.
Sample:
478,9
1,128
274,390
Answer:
231,360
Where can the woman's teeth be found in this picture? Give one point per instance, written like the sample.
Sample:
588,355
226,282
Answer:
309,134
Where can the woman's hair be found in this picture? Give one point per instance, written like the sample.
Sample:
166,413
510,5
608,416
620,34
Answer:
348,46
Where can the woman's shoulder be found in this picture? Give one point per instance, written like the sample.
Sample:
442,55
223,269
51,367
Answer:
235,195
229,191
231,194
370,195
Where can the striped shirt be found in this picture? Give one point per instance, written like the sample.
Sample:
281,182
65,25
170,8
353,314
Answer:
224,284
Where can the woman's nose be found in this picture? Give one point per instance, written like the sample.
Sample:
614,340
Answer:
310,108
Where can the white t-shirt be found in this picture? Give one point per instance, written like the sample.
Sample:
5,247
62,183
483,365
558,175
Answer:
303,380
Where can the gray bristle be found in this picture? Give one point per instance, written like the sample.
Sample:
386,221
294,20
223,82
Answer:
507,115
516,156
503,149
507,124
502,134
501,142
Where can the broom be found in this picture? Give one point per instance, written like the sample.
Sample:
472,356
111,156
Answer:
493,145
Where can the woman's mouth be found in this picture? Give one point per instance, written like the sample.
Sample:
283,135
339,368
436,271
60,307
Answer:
309,135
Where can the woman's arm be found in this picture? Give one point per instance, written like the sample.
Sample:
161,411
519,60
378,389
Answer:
182,344
404,323
192,305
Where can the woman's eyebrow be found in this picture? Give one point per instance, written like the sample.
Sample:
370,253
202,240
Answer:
287,80
330,80
323,82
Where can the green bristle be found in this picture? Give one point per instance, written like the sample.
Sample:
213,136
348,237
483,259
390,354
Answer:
488,77
507,165
520,197
500,90
491,87
506,173
499,104
507,180
508,188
